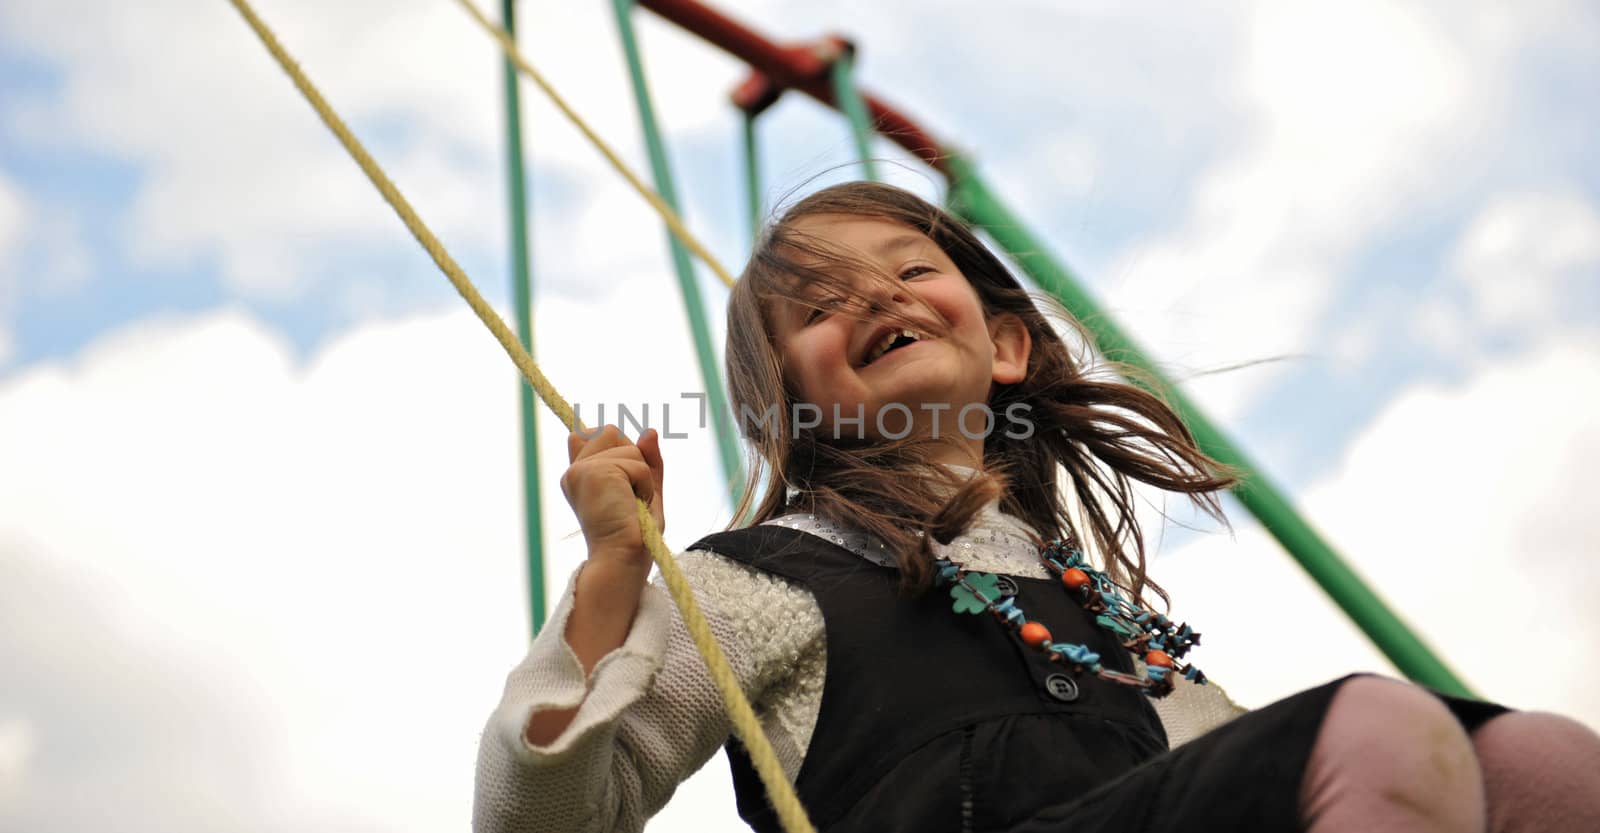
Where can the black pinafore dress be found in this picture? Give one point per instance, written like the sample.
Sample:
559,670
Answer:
936,721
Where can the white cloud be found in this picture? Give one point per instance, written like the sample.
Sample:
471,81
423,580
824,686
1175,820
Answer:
236,166
1526,267
12,219
297,589
1356,112
41,239
13,227
232,163
16,750
64,256
1462,507
1528,258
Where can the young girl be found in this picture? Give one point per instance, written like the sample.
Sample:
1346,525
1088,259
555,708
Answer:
930,449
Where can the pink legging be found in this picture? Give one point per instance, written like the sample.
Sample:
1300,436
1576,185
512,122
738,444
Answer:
1391,757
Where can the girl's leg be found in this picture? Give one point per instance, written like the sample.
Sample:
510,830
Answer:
1541,772
1391,757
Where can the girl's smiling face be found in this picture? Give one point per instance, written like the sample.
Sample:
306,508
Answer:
834,358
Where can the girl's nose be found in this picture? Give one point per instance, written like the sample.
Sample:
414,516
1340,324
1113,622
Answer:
881,297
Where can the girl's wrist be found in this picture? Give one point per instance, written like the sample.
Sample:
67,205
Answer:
615,567
610,577
605,600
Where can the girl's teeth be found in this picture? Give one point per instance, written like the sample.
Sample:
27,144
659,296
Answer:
883,346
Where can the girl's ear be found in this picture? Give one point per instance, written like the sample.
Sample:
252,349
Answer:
1012,344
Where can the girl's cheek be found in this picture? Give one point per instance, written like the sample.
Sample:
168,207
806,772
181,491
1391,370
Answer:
819,345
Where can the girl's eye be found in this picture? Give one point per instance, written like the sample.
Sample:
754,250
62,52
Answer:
827,303
913,271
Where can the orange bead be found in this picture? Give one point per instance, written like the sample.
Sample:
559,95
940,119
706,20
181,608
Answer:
1034,633
1074,578
1158,658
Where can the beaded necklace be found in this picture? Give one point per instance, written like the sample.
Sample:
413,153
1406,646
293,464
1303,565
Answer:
1145,633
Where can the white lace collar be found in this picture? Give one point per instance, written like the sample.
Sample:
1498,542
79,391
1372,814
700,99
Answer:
995,543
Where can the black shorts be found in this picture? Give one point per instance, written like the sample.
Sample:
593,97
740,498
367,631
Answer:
1242,776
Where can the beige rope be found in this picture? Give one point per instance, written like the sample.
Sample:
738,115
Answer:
673,221
745,723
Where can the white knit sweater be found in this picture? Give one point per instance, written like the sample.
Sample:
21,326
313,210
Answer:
650,715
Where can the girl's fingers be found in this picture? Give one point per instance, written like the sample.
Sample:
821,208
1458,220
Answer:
646,482
640,463
640,478
595,441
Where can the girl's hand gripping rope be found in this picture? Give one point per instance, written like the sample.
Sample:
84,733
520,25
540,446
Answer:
607,472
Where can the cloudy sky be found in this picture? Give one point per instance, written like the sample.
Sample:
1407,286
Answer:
260,563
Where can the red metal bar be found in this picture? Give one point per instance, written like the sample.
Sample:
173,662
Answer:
804,68
755,93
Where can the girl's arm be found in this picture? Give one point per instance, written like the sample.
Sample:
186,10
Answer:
594,628
613,707
625,744
606,475
648,715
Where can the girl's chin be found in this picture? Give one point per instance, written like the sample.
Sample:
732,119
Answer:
920,382
921,408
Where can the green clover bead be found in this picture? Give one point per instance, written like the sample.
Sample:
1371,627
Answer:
966,601
1115,626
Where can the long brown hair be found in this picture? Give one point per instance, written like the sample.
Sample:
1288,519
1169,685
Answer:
1096,429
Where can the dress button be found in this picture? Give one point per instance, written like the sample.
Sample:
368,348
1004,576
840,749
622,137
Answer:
1061,687
1006,586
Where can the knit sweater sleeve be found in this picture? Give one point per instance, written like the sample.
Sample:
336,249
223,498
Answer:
649,714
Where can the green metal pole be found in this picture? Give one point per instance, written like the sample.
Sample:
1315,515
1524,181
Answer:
752,175
848,98
522,298
716,399
971,198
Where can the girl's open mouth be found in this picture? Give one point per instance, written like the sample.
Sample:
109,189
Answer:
891,342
